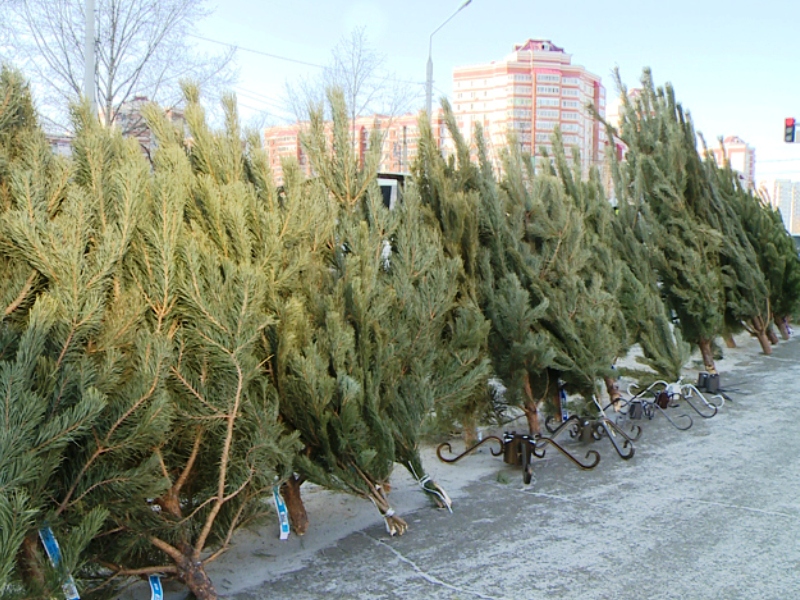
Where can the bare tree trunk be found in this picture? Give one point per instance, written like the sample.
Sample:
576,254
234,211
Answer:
194,575
760,328
783,326
298,516
729,341
531,408
773,337
469,430
613,389
708,355
29,562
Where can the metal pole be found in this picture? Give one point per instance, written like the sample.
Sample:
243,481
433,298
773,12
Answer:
88,50
429,78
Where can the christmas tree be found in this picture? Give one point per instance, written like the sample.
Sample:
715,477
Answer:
686,252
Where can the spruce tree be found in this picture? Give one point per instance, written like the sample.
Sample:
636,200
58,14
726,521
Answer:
714,196
451,190
647,318
686,252
78,444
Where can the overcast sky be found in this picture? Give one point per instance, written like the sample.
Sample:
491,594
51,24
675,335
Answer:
734,64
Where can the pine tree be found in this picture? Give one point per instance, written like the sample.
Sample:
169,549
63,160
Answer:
68,225
777,255
605,266
687,249
452,193
202,270
714,196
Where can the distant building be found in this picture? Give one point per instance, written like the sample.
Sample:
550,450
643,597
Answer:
530,92
400,137
784,195
742,158
131,122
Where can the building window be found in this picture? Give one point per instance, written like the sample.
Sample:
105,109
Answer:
571,81
547,102
547,113
547,78
569,92
570,116
546,125
570,104
548,89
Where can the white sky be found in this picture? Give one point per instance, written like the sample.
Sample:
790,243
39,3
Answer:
734,63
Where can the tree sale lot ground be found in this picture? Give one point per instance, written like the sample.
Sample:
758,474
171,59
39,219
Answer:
712,512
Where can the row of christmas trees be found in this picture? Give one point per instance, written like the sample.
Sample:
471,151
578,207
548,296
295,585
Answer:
179,338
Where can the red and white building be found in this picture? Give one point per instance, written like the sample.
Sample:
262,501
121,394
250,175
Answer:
530,92
742,158
399,134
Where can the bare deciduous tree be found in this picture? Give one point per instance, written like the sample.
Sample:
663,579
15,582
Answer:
358,69
141,50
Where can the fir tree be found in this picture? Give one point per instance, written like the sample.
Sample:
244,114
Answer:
687,249
77,438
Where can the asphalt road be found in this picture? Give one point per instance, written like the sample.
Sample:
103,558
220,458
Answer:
711,512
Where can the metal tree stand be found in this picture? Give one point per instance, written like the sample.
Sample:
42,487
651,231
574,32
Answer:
520,449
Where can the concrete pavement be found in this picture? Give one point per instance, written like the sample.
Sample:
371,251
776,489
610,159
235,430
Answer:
712,512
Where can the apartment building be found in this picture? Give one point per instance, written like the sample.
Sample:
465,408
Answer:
784,195
530,92
742,158
399,135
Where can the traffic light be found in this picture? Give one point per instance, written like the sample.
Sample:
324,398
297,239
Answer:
789,135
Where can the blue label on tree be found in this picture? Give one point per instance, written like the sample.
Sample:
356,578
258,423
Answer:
283,512
54,554
156,591
563,396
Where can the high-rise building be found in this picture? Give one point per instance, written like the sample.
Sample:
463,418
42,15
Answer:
741,156
399,138
785,196
531,92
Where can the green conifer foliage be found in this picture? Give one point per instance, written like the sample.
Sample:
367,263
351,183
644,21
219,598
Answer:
604,269
777,255
202,269
647,317
714,198
660,166
78,445
451,191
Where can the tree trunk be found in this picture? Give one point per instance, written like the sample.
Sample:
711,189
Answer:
763,339
29,563
762,333
773,337
294,504
729,341
194,576
469,430
708,355
530,408
783,326
613,389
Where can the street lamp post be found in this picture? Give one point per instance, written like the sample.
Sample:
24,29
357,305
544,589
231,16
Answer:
429,78
89,58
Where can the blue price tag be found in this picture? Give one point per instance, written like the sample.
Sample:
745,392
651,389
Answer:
54,554
283,512
156,591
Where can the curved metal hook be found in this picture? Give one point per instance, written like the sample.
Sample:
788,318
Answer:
605,424
692,389
663,412
468,450
541,442
633,386
697,410
571,421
